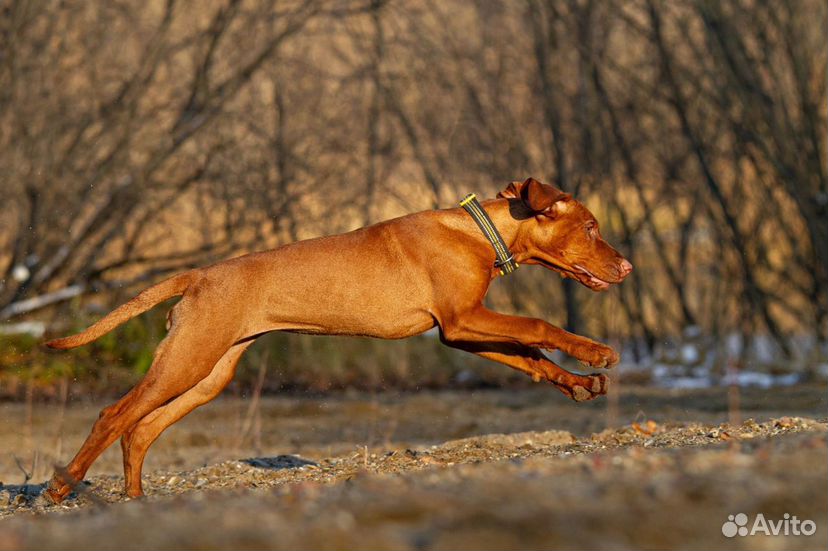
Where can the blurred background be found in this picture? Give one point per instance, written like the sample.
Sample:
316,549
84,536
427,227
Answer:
139,139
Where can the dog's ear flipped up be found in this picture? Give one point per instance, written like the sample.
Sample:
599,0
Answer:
535,195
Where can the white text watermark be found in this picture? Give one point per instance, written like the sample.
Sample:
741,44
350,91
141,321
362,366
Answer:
788,525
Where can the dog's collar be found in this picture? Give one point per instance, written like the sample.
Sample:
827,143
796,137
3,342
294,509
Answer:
505,260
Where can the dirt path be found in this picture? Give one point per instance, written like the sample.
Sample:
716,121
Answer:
329,426
645,485
437,470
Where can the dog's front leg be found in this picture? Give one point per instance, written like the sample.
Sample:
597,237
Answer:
532,362
480,324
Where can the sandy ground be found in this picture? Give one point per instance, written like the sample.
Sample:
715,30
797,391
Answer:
488,469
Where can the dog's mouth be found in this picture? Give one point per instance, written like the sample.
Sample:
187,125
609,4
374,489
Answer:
594,282
577,272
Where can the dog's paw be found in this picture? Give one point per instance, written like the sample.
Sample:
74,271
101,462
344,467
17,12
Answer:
596,386
60,486
598,356
56,492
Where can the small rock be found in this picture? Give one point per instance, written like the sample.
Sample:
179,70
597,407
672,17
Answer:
784,422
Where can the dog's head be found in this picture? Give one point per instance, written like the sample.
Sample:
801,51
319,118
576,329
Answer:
560,233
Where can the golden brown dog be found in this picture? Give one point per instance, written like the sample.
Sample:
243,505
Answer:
391,280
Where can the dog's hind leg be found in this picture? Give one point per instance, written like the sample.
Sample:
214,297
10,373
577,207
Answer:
137,440
184,357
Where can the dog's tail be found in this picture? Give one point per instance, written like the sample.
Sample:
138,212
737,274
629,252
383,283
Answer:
148,298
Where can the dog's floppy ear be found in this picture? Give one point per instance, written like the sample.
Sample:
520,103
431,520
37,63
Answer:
512,191
535,195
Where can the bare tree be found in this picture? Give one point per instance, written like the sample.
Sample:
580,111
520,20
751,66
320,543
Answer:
137,139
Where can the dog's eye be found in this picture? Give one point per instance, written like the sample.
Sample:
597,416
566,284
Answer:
591,228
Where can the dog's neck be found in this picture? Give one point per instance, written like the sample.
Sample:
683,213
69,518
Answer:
498,210
514,225
508,227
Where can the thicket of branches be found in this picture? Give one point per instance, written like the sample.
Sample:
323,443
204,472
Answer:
141,138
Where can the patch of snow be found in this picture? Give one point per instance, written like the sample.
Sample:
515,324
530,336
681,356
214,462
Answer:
733,344
20,273
661,371
686,383
34,328
764,349
689,354
748,378
700,371
761,380
787,379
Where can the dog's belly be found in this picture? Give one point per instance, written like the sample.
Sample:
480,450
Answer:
398,328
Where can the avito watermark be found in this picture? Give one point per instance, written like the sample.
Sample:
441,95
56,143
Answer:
788,525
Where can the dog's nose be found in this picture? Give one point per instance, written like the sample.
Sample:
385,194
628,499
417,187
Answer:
625,267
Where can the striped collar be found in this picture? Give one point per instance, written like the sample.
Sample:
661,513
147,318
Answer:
505,260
